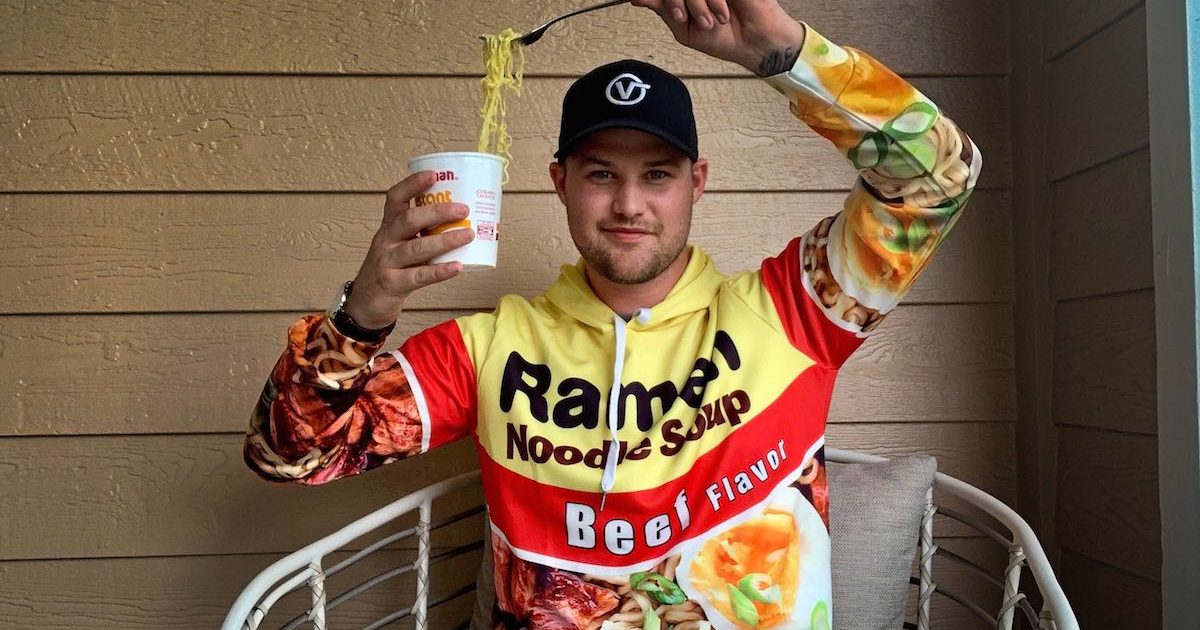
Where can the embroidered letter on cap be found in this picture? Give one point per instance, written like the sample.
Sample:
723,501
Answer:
626,89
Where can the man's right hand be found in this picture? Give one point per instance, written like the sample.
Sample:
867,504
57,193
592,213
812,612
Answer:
398,261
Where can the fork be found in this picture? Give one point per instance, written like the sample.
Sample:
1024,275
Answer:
536,34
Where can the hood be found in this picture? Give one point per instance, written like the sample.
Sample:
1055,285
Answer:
694,291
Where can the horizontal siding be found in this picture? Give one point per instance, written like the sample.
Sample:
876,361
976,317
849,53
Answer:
204,133
1108,499
171,253
192,494
177,495
1107,597
1103,389
197,592
1104,363
1098,99
437,36
1070,22
960,357
1101,242
187,178
129,374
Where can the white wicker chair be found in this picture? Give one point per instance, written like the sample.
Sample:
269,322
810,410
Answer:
305,568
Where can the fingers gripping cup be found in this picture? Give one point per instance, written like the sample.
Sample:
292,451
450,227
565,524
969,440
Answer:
472,179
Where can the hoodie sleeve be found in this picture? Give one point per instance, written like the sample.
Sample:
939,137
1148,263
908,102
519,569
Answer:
331,408
916,170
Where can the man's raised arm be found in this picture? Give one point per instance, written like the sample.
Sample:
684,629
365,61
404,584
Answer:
916,171
330,407
916,167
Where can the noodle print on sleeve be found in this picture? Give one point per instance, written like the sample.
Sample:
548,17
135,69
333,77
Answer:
834,285
333,409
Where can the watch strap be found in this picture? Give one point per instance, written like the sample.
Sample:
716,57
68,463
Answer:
345,324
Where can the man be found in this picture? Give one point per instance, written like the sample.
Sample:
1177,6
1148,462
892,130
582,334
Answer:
650,432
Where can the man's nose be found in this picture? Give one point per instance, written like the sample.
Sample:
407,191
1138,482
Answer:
629,200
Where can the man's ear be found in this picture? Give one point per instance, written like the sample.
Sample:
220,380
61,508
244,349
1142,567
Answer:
558,175
699,178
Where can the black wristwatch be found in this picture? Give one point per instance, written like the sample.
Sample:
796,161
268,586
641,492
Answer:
350,328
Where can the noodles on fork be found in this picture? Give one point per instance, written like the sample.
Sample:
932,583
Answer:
504,59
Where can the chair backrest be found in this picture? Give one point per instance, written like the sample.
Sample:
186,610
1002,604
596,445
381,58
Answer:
307,568
1019,543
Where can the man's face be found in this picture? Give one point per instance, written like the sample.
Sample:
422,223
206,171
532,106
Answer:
629,199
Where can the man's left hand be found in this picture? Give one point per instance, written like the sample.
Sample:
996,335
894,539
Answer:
756,34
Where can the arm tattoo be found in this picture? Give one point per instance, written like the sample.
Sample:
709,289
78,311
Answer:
777,61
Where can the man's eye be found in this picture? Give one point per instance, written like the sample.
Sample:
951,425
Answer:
600,175
658,175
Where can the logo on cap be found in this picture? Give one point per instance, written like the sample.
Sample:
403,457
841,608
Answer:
626,89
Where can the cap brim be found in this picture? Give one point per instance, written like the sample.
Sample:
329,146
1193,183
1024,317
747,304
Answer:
626,123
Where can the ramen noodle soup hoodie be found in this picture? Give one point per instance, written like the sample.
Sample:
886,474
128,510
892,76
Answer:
666,470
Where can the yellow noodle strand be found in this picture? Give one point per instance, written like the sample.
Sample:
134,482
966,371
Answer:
504,60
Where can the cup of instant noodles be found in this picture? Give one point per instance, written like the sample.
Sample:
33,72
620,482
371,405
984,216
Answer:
472,179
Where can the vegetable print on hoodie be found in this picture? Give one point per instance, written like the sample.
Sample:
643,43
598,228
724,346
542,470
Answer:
665,471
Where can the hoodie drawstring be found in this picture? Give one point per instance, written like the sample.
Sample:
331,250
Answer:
614,402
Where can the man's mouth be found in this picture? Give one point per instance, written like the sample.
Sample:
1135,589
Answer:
625,233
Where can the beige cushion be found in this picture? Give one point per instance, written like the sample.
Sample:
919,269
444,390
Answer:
875,515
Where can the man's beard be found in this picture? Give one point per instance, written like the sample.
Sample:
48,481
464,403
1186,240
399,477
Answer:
606,261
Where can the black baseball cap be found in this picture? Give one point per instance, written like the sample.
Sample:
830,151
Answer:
628,94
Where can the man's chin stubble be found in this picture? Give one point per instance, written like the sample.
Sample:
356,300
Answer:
605,264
